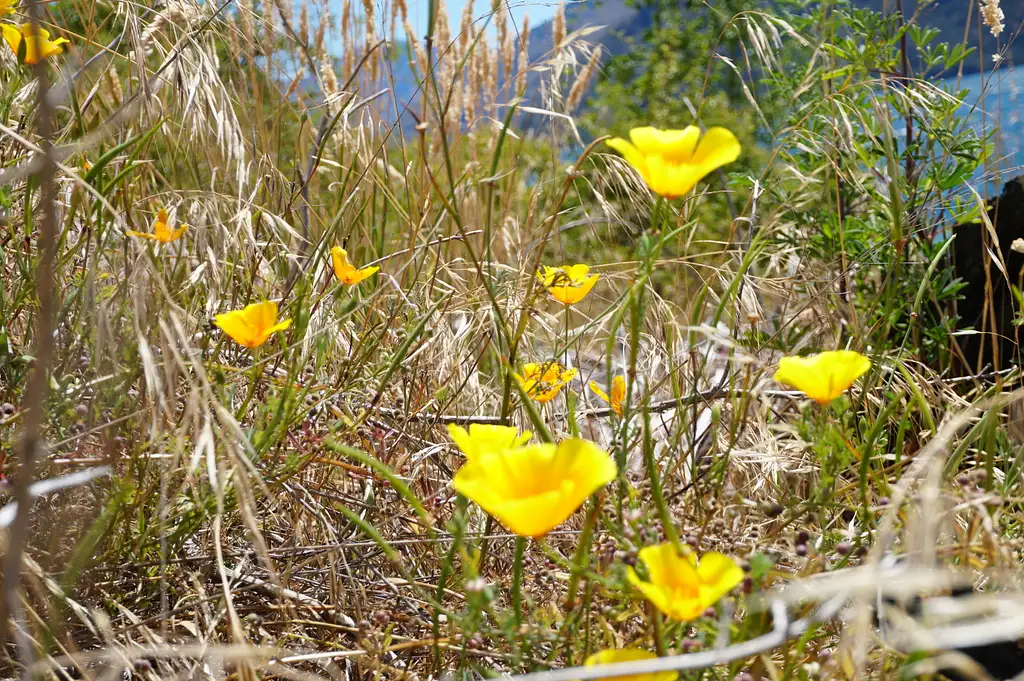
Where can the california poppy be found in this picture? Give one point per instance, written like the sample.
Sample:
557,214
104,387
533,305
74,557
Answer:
162,230
568,284
618,395
825,376
543,382
252,326
345,271
534,488
31,43
681,586
672,162
486,439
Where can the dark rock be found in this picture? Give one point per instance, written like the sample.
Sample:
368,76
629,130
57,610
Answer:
987,305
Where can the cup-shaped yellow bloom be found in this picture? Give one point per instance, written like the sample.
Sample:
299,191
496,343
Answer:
568,284
532,489
346,271
679,585
672,162
618,395
6,7
825,376
252,326
542,382
485,439
162,230
31,44
613,656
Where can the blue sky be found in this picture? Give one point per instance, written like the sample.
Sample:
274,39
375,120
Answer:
539,10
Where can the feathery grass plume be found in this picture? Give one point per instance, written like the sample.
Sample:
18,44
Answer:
508,56
329,78
523,59
558,26
284,10
491,66
399,14
347,43
579,88
992,16
113,91
303,29
246,13
373,62
323,26
465,30
500,10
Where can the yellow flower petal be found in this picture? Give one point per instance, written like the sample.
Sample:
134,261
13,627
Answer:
718,147
678,145
568,284
672,162
543,382
618,395
345,271
613,656
825,376
533,489
162,231
252,326
32,44
718,574
680,586
144,235
486,439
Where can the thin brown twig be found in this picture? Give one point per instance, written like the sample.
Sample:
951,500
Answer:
39,383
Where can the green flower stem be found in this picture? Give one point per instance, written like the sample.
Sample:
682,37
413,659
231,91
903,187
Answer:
582,551
570,398
517,582
254,379
656,491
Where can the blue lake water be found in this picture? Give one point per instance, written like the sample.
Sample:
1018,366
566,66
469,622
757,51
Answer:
996,104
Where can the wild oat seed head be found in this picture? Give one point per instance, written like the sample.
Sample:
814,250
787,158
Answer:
508,54
465,29
328,76
284,8
523,61
579,88
304,23
558,25
370,25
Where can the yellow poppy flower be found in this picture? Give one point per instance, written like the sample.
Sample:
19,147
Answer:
485,439
681,587
6,7
542,382
613,656
162,231
32,44
345,271
672,162
568,284
825,376
252,326
618,393
532,489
